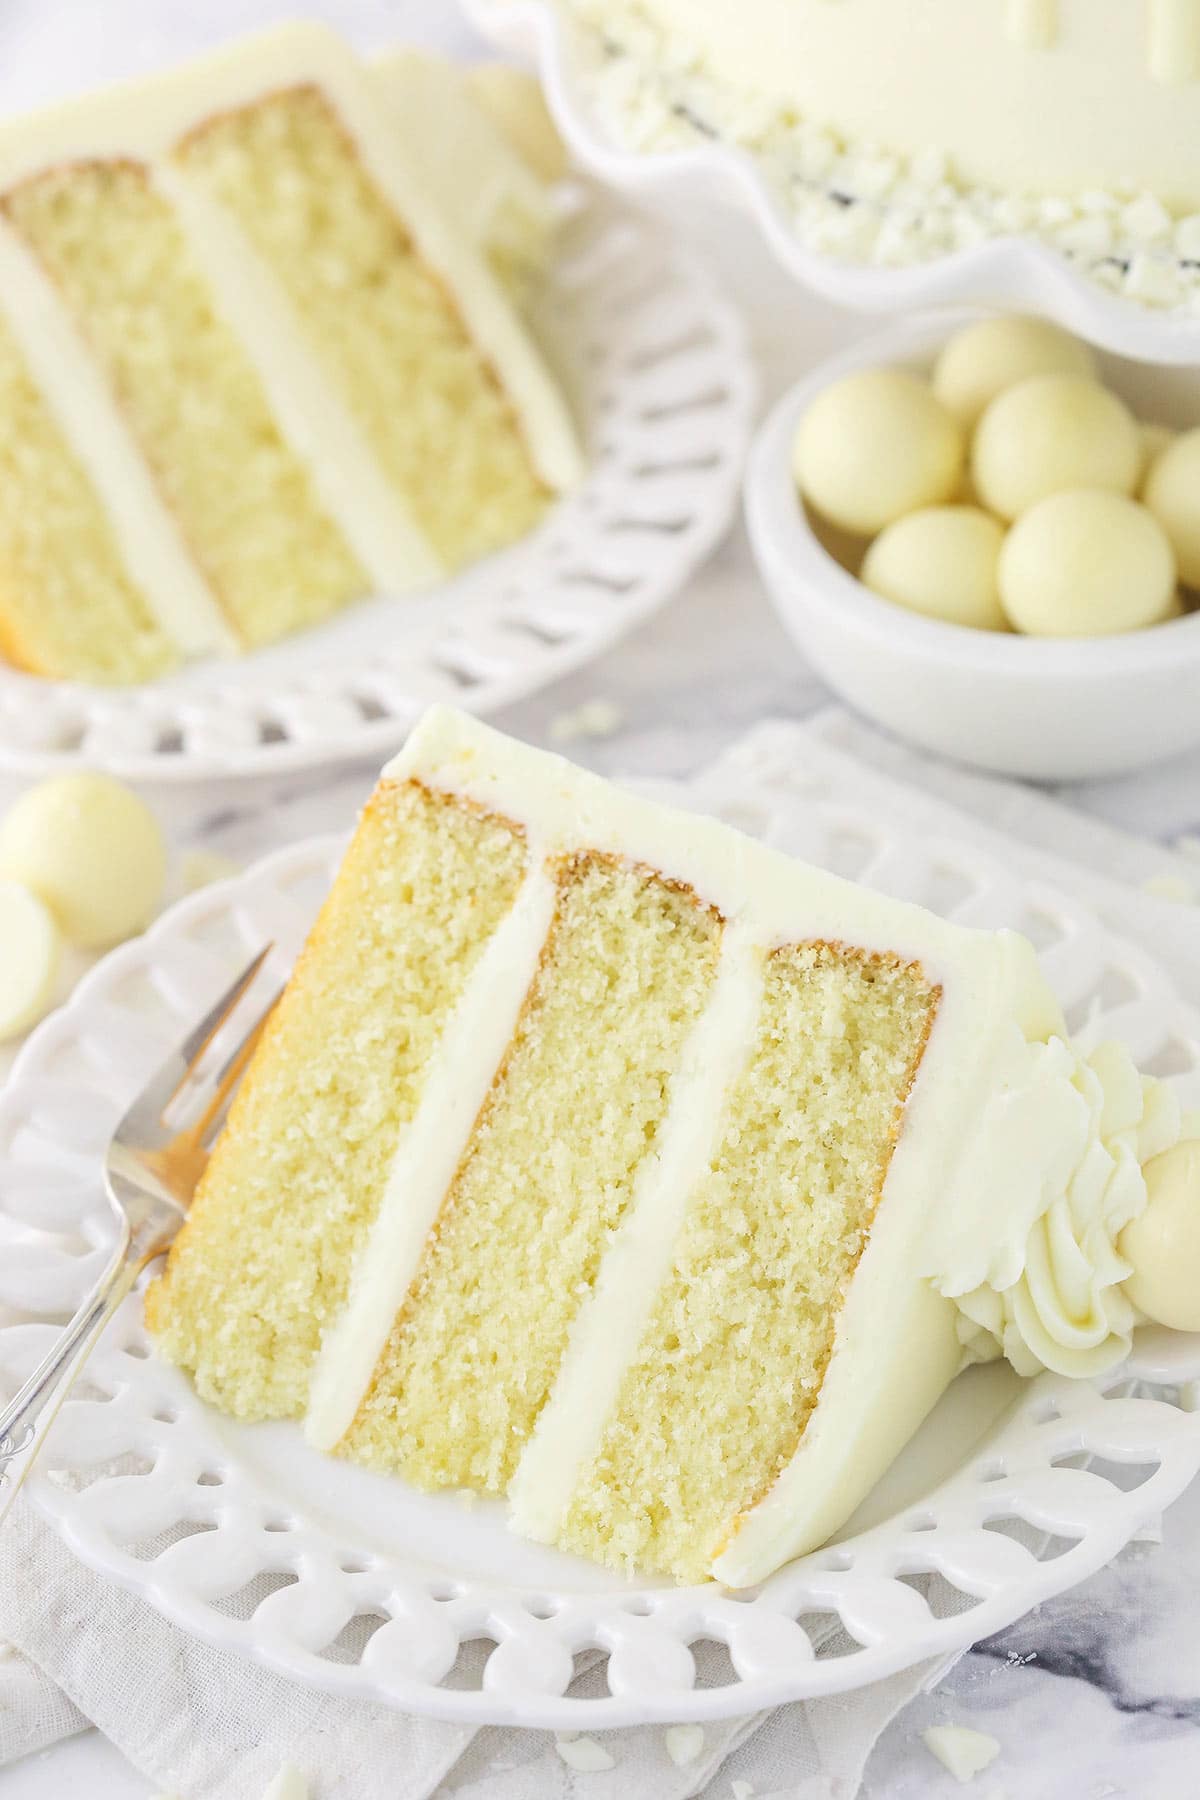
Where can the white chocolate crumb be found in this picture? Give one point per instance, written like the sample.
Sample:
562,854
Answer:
289,1784
1171,887
593,719
684,1743
741,1790
584,1754
200,868
963,1751
1188,845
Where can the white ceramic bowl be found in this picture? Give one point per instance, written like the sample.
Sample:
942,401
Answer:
715,185
1051,709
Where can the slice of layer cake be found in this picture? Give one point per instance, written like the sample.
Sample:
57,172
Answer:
260,368
602,1157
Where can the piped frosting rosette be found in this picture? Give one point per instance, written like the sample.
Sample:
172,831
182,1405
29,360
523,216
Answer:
1030,1250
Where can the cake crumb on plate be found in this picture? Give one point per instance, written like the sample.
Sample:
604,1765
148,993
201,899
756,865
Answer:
1171,887
963,1751
584,1754
593,719
684,1743
289,1784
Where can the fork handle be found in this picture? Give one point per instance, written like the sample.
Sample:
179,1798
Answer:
25,1423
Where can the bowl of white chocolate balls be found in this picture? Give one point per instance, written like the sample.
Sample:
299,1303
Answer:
986,536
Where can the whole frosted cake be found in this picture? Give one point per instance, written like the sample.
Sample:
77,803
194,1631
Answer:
252,366
602,1157
899,129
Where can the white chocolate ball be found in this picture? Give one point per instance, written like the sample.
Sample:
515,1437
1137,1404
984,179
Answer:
92,851
29,952
1172,493
1163,1243
983,360
1155,439
943,562
875,446
1051,433
514,101
1086,564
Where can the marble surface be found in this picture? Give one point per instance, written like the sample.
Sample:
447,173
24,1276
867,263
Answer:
1098,1693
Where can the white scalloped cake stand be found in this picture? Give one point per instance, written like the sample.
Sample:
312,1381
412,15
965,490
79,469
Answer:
658,371
1020,272
356,1584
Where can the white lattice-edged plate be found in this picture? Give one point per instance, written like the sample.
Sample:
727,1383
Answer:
353,1582
658,372
1023,272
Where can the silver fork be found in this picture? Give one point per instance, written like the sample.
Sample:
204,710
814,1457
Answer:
153,1165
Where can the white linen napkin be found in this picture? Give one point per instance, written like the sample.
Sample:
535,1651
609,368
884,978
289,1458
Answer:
212,1726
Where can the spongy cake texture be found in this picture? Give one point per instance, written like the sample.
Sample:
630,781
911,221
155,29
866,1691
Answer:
577,1107
293,1185
717,1394
244,500
57,549
438,421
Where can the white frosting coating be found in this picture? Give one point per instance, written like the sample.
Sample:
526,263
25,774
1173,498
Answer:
781,900
482,182
1061,1143
609,1324
75,392
427,1155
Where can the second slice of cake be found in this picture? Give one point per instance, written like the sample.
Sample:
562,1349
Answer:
253,367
